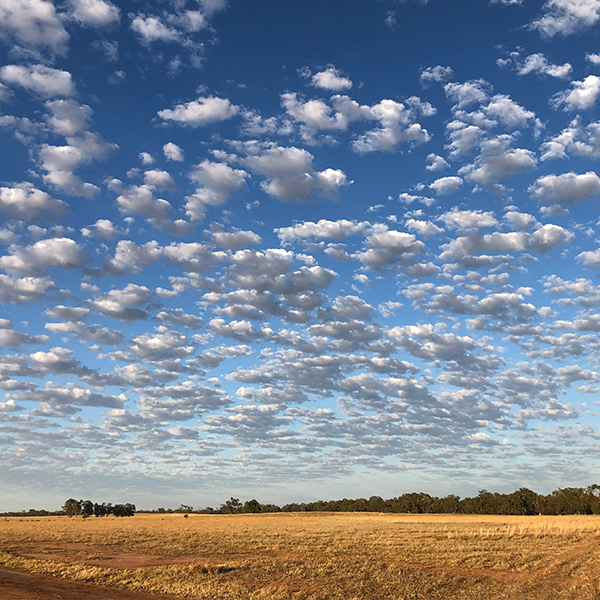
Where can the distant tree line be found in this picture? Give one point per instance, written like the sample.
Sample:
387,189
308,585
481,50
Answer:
87,508
32,512
565,501
229,507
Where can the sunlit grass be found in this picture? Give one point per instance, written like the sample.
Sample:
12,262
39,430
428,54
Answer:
317,556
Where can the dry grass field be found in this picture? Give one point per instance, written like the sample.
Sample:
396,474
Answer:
316,556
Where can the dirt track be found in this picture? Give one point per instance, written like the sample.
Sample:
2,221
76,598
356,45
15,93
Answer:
15,585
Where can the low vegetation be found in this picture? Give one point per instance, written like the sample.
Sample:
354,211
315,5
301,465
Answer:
565,501
318,555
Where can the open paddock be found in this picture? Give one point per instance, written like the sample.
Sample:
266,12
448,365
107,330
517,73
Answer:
310,556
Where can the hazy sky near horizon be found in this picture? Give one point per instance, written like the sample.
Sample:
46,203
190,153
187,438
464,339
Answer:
297,250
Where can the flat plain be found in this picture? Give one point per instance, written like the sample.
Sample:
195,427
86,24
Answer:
303,556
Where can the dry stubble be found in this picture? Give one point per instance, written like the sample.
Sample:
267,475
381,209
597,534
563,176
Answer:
317,556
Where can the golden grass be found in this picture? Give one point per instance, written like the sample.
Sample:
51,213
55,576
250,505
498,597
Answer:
317,556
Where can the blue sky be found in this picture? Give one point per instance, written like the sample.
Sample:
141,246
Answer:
297,250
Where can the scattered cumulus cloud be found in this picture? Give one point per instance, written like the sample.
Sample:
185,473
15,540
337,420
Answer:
331,79
396,260
94,13
200,112
173,152
437,74
566,189
39,79
582,96
566,17
34,25
538,63
26,202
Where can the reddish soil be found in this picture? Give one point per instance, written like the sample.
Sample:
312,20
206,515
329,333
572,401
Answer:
15,585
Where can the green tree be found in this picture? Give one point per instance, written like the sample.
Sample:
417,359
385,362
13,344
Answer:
252,506
72,507
123,510
87,507
231,506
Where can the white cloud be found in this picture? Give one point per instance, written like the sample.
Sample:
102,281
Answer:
152,29
520,220
565,17
331,79
219,181
425,228
58,361
322,230
67,117
398,125
513,115
55,396
179,318
201,112
11,338
591,259
93,13
464,138
140,200
180,23
39,79
192,257
291,176
468,219
103,228
67,313
33,24
576,138
25,289
593,58
437,74
314,114
163,344
212,6
538,63
549,236
159,179
24,201
70,119
131,258
242,331
471,92
446,185
566,189
235,240
389,247
37,258
398,121
475,250
59,162
497,161
173,152
147,158
583,96
123,304
436,163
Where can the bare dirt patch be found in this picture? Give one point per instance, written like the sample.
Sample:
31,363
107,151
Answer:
15,585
